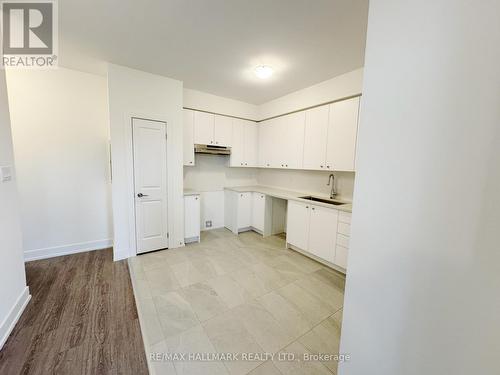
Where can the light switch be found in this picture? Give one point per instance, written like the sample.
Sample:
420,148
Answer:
5,173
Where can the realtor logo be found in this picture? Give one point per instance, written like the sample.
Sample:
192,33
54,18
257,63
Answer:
29,34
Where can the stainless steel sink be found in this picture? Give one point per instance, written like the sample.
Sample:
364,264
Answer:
323,200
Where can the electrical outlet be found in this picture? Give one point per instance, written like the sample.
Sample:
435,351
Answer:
208,224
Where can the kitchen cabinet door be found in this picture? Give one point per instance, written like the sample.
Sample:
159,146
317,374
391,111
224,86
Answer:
297,228
223,132
188,137
315,138
342,135
191,217
244,216
251,140
323,233
265,143
203,128
290,138
258,211
237,158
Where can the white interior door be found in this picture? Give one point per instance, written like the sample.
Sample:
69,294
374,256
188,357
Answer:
150,182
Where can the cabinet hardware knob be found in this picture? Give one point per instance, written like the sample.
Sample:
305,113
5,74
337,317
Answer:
196,198
328,166
321,166
312,208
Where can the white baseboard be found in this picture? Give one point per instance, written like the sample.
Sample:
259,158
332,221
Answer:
13,316
56,251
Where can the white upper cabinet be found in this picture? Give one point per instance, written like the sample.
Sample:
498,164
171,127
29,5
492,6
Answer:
292,135
188,136
204,128
315,138
223,131
342,134
251,141
265,143
238,148
322,233
244,151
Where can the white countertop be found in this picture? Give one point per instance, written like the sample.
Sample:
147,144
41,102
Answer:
191,192
289,195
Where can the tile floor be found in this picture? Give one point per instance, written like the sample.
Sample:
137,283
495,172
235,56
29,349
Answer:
237,294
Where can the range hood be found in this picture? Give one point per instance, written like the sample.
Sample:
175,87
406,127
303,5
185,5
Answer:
212,150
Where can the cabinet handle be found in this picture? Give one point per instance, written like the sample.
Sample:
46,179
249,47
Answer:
196,198
328,166
312,208
321,166
307,206
246,164
216,143
241,195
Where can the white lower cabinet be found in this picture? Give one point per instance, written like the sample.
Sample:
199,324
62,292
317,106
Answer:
297,225
322,234
191,218
247,211
244,215
315,229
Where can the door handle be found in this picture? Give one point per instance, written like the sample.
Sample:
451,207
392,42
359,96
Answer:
140,195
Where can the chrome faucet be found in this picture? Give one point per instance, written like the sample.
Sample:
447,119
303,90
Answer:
331,180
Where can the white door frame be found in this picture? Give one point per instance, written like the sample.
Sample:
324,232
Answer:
129,117
134,187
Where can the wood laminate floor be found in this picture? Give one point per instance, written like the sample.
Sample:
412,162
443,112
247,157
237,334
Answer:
82,319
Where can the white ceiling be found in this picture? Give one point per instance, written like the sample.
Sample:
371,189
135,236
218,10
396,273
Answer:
213,45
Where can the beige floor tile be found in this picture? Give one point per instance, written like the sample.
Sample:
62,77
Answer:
150,323
332,296
193,271
161,280
299,366
174,313
287,269
252,283
229,335
302,262
204,300
267,368
330,277
158,361
312,308
174,256
194,341
223,264
285,313
271,277
325,338
229,291
266,330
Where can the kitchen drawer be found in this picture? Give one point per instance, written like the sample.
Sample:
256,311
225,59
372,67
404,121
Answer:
342,240
341,256
345,217
344,229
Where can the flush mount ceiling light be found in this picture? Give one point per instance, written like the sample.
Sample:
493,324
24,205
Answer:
263,71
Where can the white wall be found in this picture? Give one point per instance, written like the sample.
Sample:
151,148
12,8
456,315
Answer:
310,182
133,93
195,99
60,129
339,87
209,176
423,281
14,293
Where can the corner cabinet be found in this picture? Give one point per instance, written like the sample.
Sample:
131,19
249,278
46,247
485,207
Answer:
320,231
246,211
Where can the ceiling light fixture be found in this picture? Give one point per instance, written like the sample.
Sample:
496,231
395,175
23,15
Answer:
263,71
